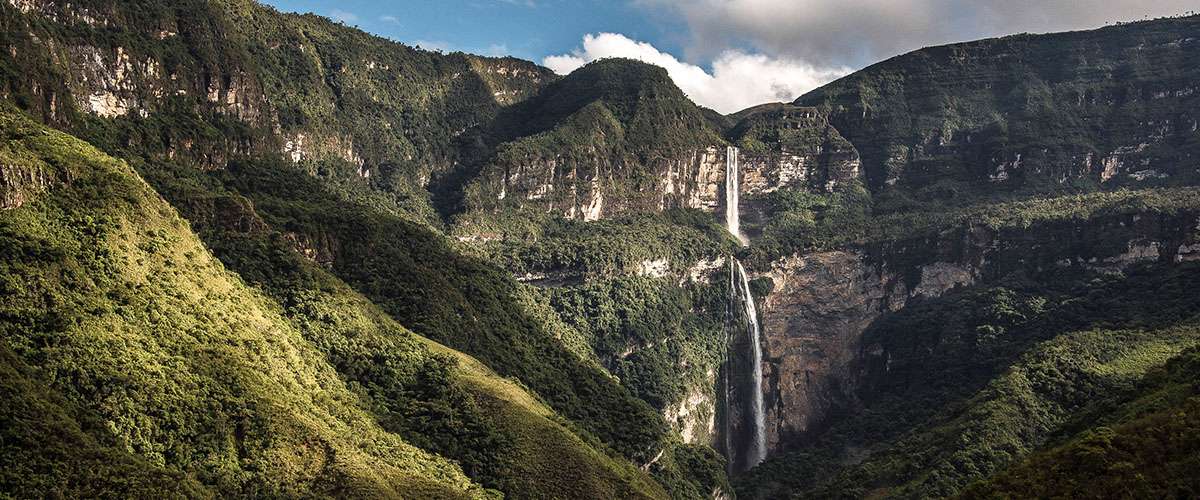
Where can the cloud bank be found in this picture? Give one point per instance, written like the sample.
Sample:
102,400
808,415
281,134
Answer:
860,32
736,81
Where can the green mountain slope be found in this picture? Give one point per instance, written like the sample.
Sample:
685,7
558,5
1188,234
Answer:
1146,447
52,448
1025,114
200,82
120,309
600,138
325,147
959,388
381,381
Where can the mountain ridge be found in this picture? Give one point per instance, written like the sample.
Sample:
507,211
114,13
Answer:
514,283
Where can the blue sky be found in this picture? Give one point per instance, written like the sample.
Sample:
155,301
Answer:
529,29
725,54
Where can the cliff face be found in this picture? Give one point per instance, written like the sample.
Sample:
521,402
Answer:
596,186
822,303
203,82
1027,113
785,146
788,148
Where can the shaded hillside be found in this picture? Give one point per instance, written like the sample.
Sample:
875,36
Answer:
1025,114
1145,447
957,389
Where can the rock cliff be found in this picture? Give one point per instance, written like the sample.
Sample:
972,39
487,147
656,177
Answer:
1027,113
822,303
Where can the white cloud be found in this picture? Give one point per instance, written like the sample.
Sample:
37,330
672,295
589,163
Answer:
858,32
343,16
390,19
737,80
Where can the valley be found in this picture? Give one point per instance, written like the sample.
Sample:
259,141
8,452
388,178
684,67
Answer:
249,253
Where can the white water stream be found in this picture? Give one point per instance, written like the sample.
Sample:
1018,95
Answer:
732,216
739,287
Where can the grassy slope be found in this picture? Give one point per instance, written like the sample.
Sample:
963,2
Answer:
121,310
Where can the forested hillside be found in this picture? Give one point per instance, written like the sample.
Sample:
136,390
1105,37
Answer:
253,254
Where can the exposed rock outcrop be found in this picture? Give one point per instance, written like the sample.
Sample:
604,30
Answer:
596,187
21,184
694,417
822,303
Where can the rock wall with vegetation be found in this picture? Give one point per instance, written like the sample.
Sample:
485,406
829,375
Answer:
469,277
821,304
1025,114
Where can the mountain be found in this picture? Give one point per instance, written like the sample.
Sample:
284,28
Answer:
1025,114
249,253
211,133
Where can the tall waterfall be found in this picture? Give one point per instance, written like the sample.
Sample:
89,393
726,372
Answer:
740,284
732,215
739,289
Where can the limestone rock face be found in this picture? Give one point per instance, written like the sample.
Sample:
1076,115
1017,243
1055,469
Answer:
794,147
694,417
19,184
821,304
813,322
596,186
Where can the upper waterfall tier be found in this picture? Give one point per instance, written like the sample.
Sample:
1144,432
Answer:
732,198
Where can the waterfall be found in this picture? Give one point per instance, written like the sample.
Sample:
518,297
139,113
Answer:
732,222
739,291
740,284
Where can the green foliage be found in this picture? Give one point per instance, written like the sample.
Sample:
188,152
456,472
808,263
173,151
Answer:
51,448
659,339
801,221
536,243
608,126
656,117
120,311
372,118
1150,451
691,471
965,385
212,80
448,297
1021,115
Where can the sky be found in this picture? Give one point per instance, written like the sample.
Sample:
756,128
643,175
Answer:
725,54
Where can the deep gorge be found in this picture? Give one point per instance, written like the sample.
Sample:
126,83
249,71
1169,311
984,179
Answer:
246,253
